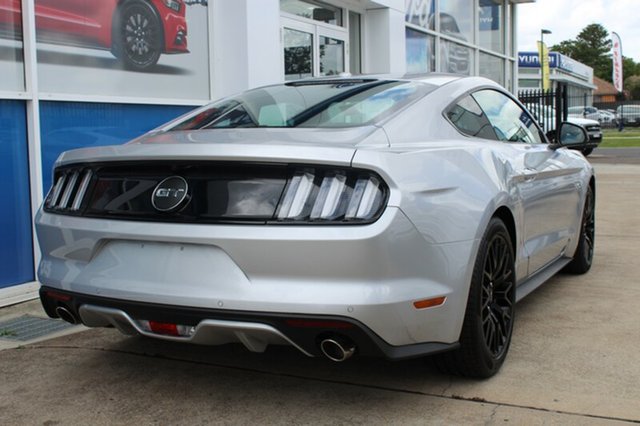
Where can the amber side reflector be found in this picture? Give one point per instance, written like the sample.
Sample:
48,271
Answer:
429,303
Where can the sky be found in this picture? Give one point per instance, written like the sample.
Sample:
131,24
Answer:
566,18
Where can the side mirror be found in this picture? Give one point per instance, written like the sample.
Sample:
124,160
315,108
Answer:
572,135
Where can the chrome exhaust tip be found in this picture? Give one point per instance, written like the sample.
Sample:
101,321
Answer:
66,315
337,349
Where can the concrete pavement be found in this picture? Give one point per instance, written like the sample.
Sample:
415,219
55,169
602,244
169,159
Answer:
574,360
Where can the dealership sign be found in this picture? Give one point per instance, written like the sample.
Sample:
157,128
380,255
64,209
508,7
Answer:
532,60
558,61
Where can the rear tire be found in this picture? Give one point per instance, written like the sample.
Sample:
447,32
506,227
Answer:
583,258
488,322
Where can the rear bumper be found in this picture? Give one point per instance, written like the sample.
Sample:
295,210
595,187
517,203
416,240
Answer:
215,326
370,274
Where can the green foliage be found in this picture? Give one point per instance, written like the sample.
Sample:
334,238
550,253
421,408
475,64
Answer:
591,47
632,85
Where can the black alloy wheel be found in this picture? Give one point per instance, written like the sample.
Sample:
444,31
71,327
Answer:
497,298
583,258
138,36
488,323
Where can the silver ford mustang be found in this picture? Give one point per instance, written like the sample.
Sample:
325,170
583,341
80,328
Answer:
393,217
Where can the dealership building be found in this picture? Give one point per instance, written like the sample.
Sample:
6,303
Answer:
575,76
88,73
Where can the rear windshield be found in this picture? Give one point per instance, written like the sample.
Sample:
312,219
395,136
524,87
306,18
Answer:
322,104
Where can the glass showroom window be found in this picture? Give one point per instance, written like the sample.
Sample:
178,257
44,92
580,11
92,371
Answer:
11,56
420,13
456,20
492,67
298,54
491,25
314,10
315,38
420,52
456,58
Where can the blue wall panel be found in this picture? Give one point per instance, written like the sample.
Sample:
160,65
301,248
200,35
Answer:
16,243
70,125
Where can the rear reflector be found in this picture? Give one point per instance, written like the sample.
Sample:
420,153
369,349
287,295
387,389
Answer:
429,303
167,329
164,328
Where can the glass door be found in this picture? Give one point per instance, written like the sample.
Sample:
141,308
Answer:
313,50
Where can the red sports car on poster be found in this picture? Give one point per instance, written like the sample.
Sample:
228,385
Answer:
135,31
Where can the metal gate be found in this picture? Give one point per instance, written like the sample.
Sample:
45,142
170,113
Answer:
549,107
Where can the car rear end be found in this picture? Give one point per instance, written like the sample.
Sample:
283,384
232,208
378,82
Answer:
278,251
260,236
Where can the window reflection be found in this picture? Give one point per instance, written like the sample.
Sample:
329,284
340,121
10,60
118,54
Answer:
315,10
492,67
491,23
420,52
456,19
331,56
510,122
455,58
420,12
11,48
298,54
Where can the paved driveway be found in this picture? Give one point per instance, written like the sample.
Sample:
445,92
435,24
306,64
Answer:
574,360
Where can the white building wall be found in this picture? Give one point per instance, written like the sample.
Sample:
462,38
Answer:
246,48
384,46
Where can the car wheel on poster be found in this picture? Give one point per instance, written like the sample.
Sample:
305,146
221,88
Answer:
137,35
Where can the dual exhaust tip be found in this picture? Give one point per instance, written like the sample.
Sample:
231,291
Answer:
337,349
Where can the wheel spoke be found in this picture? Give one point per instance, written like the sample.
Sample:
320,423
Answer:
497,295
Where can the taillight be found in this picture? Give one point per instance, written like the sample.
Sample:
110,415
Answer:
69,190
221,192
316,195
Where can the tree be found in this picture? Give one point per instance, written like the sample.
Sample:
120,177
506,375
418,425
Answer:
632,85
592,47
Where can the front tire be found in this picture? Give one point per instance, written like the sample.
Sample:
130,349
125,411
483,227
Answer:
583,258
587,151
137,35
488,322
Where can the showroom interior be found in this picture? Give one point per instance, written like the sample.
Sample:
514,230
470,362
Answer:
79,73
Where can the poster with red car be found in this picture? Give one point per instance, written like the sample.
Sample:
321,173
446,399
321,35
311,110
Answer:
129,48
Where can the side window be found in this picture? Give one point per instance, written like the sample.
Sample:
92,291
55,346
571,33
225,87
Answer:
510,122
468,117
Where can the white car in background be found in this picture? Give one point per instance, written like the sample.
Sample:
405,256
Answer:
607,118
592,113
546,117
